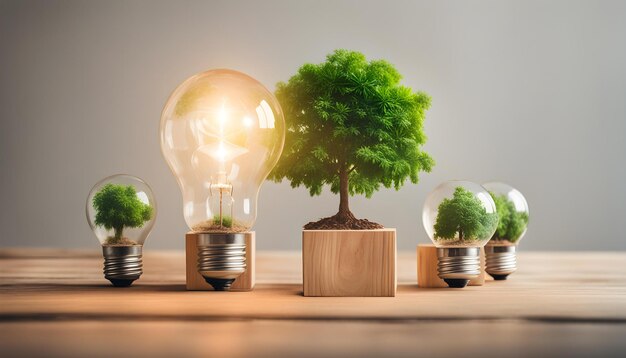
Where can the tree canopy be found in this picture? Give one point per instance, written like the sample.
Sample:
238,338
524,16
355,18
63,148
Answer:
353,126
117,207
464,214
512,222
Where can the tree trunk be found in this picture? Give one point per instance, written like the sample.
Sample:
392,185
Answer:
118,232
344,195
460,234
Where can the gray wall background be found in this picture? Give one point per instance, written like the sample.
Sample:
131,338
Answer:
532,93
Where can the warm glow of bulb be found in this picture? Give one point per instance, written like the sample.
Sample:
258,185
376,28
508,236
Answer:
221,152
221,133
247,122
221,118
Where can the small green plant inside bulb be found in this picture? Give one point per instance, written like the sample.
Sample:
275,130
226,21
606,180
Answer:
463,218
512,223
118,207
226,221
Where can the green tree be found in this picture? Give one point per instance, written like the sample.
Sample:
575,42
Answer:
464,214
117,207
351,125
512,223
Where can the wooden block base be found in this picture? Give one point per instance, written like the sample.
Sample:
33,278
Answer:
354,263
195,281
427,276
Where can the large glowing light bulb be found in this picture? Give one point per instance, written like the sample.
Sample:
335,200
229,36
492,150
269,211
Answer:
459,217
121,211
221,134
501,250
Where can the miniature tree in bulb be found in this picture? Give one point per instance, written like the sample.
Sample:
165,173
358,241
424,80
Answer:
463,217
512,208
512,223
121,211
459,217
117,207
350,124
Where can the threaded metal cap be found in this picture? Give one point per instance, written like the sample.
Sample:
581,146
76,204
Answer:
221,258
122,264
501,261
457,265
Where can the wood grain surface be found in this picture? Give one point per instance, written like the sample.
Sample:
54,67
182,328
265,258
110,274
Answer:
349,263
56,303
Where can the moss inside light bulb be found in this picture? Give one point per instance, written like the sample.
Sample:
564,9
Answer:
224,224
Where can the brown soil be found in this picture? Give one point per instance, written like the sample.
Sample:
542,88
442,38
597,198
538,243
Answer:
496,242
342,221
458,243
111,241
210,226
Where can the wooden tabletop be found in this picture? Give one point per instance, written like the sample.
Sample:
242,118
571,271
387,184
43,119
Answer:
57,303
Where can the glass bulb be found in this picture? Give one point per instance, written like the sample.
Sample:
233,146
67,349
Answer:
222,132
131,209
512,209
121,211
459,217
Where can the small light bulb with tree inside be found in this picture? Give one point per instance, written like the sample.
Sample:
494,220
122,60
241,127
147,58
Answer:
459,217
121,211
512,208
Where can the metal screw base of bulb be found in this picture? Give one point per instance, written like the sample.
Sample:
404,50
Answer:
458,265
500,261
221,258
122,264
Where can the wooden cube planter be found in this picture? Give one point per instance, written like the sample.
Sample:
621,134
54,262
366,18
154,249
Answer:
355,263
427,261
195,281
